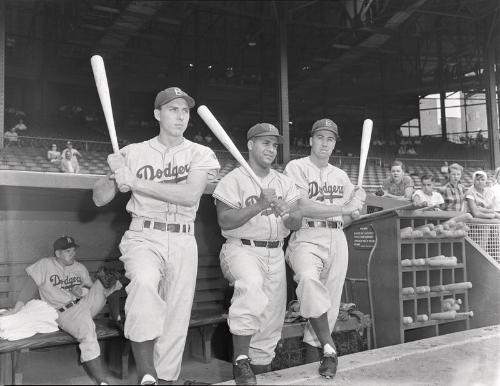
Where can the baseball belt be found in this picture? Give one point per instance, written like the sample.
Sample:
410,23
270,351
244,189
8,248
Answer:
262,243
69,305
164,227
325,224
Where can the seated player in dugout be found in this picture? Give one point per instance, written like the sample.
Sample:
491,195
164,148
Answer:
254,223
65,284
317,252
166,176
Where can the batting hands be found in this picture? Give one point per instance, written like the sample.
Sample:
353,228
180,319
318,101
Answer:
269,199
124,178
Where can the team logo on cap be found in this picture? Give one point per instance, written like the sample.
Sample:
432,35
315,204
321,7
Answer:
178,91
328,123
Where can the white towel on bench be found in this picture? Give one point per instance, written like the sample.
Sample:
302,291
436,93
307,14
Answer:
36,316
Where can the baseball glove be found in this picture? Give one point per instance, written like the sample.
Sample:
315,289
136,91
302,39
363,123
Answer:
107,276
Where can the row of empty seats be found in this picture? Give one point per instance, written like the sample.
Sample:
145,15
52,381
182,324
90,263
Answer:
95,163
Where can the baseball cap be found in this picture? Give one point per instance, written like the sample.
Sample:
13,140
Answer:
263,129
325,124
69,143
64,242
171,93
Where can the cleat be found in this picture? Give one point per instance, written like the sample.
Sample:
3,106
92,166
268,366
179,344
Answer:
243,374
328,365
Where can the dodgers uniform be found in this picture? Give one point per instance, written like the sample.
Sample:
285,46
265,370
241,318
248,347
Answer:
57,285
159,251
318,252
252,261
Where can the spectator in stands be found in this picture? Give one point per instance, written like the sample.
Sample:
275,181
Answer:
411,150
453,191
427,197
198,137
11,138
69,149
496,190
398,185
444,168
20,126
69,164
54,155
480,198
208,139
402,150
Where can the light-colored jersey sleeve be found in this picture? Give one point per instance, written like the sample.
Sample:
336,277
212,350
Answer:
86,279
204,159
227,191
38,272
293,171
292,194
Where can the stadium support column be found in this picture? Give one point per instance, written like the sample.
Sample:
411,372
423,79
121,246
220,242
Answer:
2,71
284,115
442,89
491,106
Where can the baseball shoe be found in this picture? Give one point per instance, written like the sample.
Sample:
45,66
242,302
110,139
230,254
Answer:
148,379
328,365
242,373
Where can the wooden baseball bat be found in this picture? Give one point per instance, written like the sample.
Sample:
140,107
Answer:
444,315
101,82
365,146
221,134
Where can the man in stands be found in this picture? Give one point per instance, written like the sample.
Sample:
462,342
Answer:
54,155
11,138
69,164
69,149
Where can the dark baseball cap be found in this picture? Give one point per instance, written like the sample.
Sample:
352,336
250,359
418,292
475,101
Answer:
263,129
325,124
171,93
64,242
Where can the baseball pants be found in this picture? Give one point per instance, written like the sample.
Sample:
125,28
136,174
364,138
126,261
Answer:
258,304
319,270
78,320
162,268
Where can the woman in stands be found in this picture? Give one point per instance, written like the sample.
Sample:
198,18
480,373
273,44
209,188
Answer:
480,197
398,185
453,191
496,191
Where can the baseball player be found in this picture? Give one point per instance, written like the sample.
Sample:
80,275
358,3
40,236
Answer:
65,284
255,222
317,252
167,176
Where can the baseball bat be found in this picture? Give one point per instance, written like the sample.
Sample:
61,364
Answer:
101,82
221,134
444,315
365,146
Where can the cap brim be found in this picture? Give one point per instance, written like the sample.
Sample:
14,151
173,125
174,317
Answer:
278,137
327,129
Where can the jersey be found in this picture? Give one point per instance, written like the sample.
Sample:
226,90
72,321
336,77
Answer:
56,281
328,185
238,190
151,160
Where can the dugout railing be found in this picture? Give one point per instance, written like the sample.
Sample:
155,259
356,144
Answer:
486,234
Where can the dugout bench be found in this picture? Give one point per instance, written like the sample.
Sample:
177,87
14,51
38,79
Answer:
36,208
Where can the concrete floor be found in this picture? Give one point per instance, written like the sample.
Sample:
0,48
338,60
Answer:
42,369
467,358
